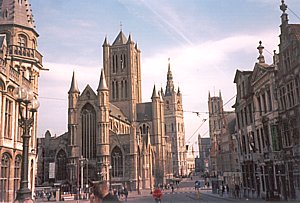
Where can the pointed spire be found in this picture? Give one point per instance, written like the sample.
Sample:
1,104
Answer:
105,43
154,93
102,82
130,39
208,94
136,46
220,94
74,86
16,13
170,85
178,92
261,58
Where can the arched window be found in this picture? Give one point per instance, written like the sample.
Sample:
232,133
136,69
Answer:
126,89
117,162
88,123
17,174
61,165
113,89
122,89
117,90
22,40
4,177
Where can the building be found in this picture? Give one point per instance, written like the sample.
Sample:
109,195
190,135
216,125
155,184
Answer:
222,126
288,95
204,146
20,64
190,160
113,135
267,109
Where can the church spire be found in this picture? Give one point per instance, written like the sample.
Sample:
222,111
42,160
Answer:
102,82
261,58
105,43
74,86
154,93
16,13
170,85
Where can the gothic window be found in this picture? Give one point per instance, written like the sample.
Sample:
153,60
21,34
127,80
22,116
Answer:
113,89
117,90
297,88
126,89
167,105
8,118
17,173
116,63
122,89
61,165
113,65
117,162
88,123
286,135
290,94
22,40
264,103
259,105
4,177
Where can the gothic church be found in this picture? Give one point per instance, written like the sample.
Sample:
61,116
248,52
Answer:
114,134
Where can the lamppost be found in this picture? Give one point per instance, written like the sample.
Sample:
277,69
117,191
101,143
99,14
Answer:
25,97
110,167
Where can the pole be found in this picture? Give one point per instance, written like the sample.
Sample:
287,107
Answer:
81,165
24,192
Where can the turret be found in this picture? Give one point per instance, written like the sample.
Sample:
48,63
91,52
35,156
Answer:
106,55
73,92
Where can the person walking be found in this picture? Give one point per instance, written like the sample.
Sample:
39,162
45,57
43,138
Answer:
126,194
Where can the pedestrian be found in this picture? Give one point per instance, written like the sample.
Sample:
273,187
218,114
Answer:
172,188
126,194
227,188
119,193
157,195
223,189
102,194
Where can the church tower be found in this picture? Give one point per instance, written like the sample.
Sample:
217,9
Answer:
174,124
122,67
21,64
215,108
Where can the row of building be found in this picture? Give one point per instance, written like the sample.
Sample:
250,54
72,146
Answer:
257,146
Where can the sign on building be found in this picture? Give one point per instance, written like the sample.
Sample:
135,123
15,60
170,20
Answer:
52,170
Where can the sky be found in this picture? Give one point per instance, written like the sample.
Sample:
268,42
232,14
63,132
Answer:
206,41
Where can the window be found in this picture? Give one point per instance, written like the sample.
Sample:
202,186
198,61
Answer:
17,174
290,94
22,40
8,118
113,89
88,121
269,100
297,88
117,162
61,165
4,177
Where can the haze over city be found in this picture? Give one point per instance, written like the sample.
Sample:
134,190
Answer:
206,42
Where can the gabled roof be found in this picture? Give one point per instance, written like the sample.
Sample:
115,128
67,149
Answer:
239,73
16,12
88,94
121,39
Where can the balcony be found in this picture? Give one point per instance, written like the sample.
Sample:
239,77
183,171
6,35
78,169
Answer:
26,53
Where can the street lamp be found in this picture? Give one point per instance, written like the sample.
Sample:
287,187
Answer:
25,97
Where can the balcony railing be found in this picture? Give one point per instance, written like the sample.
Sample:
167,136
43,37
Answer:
15,50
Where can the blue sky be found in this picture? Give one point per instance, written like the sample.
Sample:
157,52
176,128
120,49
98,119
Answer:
206,40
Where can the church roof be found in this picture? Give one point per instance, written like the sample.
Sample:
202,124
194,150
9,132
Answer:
16,12
121,39
144,111
116,112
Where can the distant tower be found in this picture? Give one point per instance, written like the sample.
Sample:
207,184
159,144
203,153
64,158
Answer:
215,108
174,124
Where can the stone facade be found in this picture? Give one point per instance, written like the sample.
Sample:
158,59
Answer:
20,65
204,146
112,135
267,109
